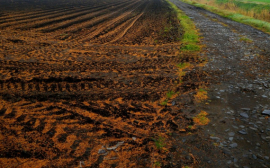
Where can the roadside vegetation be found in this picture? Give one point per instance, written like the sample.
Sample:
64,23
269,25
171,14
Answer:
255,13
190,37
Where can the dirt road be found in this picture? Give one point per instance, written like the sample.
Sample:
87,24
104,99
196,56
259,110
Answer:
239,66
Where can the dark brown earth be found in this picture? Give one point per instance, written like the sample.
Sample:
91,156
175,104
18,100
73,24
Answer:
82,82
81,85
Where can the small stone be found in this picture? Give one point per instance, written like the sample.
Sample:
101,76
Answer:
259,156
254,156
267,138
266,112
266,157
235,165
241,126
258,144
245,155
231,138
261,118
116,146
229,162
231,134
243,132
134,138
245,115
235,160
254,129
102,151
173,103
226,151
233,145
215,138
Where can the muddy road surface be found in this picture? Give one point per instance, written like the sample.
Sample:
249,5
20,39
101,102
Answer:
239,64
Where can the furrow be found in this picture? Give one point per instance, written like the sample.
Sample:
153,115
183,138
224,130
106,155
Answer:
63,17
128,27
91,19
112,23
23,19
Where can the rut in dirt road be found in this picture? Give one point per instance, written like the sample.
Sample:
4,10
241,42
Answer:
239,66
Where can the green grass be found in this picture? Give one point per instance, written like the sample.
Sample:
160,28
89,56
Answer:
164,103
245,39
259,24
182,65
159,142
157,164
202,90
262,25
247,5
190,37
191,47
264,1
170,94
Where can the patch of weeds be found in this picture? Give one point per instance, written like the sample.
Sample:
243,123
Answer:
157,164
164,103
190,36
190,47
159,142
170,94
201,118
181,73
182,65
201,95
167,29
245,39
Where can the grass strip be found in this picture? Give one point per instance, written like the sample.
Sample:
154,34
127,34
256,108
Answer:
256,23
190,37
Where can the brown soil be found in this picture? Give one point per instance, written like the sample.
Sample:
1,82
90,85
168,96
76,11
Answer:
79,78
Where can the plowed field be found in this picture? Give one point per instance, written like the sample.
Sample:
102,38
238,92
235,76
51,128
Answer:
81,84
